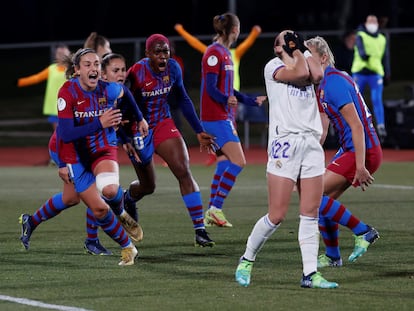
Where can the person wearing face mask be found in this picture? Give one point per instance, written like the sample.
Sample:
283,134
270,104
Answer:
371,65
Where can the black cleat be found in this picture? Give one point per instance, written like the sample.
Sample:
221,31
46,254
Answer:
27,230
202,239
94,247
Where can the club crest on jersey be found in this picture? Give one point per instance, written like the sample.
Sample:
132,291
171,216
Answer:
102,101
166,79
278,164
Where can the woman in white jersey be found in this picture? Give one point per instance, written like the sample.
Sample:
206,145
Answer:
295,155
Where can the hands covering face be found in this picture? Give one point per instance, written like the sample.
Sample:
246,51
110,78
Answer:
294,41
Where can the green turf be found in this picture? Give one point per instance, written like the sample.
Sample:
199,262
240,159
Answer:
171,274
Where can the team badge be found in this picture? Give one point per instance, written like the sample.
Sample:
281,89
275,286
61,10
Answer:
102,101
166,79
212,60
61,104
278,164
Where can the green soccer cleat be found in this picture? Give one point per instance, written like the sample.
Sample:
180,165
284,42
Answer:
326,261
316,280
215,217
362,242
243,272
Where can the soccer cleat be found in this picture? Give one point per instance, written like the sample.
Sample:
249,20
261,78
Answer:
215,216
94,247
202,239
316,280
362,242
130,207
133,228
326,261
243,272
128,255
27,230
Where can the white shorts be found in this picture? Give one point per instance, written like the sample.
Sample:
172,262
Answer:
295,156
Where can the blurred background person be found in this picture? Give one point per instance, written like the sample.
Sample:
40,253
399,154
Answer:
99,43
371,66
54,74
344,51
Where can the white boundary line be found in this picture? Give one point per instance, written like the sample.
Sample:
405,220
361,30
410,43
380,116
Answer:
399,187
40,304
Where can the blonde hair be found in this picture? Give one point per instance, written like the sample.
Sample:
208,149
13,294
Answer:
322,47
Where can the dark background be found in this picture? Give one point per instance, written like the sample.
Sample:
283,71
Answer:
57,20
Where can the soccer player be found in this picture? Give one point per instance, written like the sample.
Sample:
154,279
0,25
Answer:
295,156
236,54
114,70
56,204
88,117
219,100
151,80
69,197
359,156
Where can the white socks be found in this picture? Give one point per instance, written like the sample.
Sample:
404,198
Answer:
262,230
308,238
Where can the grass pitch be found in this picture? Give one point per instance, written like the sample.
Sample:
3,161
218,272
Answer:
172,274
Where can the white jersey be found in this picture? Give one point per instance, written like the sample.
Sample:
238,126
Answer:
295,128
292,109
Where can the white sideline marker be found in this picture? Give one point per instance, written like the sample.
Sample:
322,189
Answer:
40,304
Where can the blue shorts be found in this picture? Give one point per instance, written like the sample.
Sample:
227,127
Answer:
223,130
144,146
54,156
52,119
81,177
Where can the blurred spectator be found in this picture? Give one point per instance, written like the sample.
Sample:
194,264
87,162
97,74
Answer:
99,43
344,52
371,66
54,74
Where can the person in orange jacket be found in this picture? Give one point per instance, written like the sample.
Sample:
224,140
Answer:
54,74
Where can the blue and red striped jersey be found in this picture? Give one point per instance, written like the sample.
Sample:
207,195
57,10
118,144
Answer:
217,61
80,133
342,90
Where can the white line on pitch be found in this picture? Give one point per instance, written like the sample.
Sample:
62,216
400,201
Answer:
40,304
